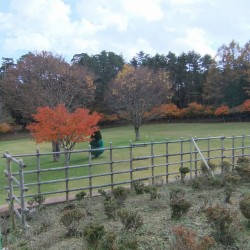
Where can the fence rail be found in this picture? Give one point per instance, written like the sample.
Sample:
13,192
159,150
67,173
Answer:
137,161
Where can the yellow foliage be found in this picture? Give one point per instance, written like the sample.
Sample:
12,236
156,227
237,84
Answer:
4,128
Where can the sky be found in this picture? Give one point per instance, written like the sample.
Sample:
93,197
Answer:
69,27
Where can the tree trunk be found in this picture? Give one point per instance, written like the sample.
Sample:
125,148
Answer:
137,133
55,148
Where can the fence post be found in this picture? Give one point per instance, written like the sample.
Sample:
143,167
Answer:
22,196
111,164
152,162
131,164
222,152
191,159
195,160
208,148
167,170
243,145
90,172
66,174
181,151
38,166
10,193
233,151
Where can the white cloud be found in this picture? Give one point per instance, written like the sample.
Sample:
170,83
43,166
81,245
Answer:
150,10
28,42
196,40
121,26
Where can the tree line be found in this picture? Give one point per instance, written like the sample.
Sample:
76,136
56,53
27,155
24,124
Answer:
108,84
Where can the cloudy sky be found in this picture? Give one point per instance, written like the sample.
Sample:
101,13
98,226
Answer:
125,27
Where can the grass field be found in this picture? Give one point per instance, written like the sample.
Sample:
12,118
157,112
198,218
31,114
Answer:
119,136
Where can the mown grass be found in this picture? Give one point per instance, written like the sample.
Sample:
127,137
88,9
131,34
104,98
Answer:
119,136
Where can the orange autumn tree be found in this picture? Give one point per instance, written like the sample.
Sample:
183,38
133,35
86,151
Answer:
60,126
245,107
169,110
222,110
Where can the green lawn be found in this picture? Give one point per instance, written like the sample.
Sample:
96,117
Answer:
119,136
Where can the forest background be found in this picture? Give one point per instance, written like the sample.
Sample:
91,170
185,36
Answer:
202,87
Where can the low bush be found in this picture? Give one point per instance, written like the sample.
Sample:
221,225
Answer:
106,195
80,196
36,200
120,194
128,242
131,220
231,182
110,208
153,192
108,242
71,219
243,168
178,203
204,182
243,159
93,233
69,206
139,187
221,220
204,169
245,207
226,166
184,171
187,239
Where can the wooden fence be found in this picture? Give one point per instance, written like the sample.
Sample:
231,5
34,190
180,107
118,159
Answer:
138,161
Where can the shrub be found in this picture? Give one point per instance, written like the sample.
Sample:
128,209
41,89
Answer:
139,187
225,166
131,220
243,168
80,196
128,242
154,193
179,207
245,207
106,195
198,182
44,220
178,203
230,178
36,199
69,206
120,194
230,182
243,159
213,182
177,192
221,220
184,171
185,238
110,208
71,219
204,169
93,233
108,242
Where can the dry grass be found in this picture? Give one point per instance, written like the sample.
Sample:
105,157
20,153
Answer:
47,232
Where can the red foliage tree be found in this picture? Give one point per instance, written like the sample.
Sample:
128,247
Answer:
245,106
222,110
60,126
169,110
